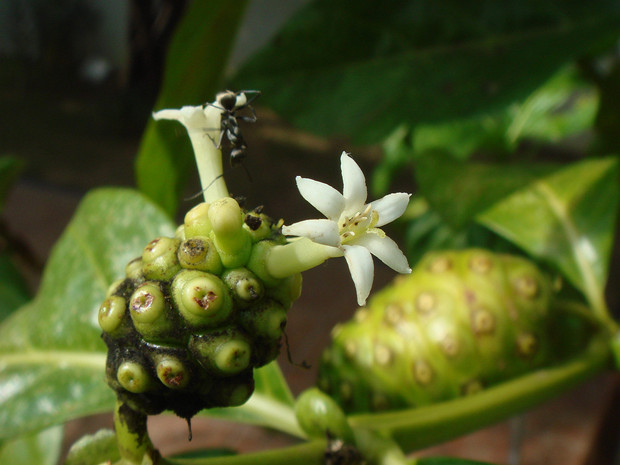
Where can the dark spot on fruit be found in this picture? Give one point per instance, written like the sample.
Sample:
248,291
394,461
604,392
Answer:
143,302
205,301
151,245
253,222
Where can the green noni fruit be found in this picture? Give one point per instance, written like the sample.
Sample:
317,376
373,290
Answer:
191,320
461,321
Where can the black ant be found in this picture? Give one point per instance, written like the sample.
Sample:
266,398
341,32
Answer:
227,102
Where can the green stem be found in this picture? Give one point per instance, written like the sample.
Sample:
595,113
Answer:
417,428
309,453
273,414
132,436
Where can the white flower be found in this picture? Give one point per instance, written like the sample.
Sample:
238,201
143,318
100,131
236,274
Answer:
203,124
352,225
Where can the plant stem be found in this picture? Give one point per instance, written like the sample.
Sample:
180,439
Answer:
309,453
132,436
417,428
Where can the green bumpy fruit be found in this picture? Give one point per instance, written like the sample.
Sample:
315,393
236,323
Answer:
190,322
462,321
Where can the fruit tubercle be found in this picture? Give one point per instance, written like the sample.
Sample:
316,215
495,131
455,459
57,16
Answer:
203,127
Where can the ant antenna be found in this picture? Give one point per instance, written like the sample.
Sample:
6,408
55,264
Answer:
198,194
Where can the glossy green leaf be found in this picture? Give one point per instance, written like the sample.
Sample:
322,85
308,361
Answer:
13,289
460,190
194,72
41,448
563,106
428,231
347,67
10,167
52,359
94,449
567,219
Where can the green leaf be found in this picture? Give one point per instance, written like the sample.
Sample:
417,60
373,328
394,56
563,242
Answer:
10,168
270,405
94,449
195,67
460,190
567,219
52,359
349,68
41,448
13,289
563,106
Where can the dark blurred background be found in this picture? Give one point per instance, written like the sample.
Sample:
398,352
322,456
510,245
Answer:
78,81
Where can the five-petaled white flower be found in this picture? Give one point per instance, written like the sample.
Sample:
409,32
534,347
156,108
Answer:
352,225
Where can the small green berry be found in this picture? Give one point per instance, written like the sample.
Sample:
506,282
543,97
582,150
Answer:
226,352
133,377
202,298
172,372
198,253
111,314
160,259
320,416
234,391
150,313
133,270
147,303
266,319
244,284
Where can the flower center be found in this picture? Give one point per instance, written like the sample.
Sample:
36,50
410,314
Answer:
354,226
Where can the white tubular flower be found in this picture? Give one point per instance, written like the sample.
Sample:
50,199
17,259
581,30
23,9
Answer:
204,126
352,225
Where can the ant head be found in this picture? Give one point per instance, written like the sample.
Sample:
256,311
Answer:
227,100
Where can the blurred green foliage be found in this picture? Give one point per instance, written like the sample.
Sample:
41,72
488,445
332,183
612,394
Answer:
506,113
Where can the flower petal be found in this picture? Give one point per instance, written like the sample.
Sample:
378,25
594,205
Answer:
386,250
354,184
321,196
390,207
192,117
321,231
362,270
